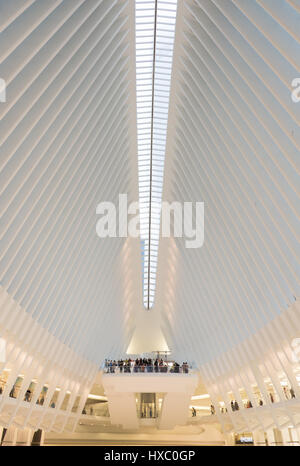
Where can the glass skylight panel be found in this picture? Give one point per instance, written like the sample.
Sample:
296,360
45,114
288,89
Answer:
155,32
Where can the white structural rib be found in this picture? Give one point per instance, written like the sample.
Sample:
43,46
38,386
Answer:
67,133
155,31
233,143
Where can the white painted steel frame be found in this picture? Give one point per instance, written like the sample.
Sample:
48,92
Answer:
233,142
68,142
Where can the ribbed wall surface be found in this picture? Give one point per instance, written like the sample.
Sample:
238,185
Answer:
68,142
235,145
66,145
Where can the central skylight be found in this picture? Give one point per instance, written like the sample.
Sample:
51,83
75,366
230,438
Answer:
155,32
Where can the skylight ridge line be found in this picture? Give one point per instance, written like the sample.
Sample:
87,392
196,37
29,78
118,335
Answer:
151,149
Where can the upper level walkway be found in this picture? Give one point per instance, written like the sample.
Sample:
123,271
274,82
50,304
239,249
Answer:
157,367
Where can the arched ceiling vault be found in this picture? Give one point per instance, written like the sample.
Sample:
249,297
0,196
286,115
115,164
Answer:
233,143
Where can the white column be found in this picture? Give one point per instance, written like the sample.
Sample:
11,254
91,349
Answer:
10,438
42,438
295,434
123,410
271,437
174,410
229,439
24,437
278,437
285,437
259,438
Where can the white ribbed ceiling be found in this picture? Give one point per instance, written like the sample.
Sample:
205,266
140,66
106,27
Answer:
67,137
233,143
68,141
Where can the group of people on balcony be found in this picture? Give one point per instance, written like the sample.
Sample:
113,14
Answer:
289,394
27,396
145,365
234,405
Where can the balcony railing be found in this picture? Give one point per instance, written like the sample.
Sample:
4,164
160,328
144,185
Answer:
147,369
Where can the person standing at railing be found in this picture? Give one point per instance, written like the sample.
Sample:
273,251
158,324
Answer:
127,366
120,365
27,395
144,365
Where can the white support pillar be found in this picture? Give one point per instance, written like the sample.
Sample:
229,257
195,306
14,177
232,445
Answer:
278,437
286,438
259,438
174,410
42,438
121,390
229,439
123,410
295,434
271,438
298,434
24,437
10,438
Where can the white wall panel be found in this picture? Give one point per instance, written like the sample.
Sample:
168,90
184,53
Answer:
68,142
234,143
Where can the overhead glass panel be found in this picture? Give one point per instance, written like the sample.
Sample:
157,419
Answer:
155,32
